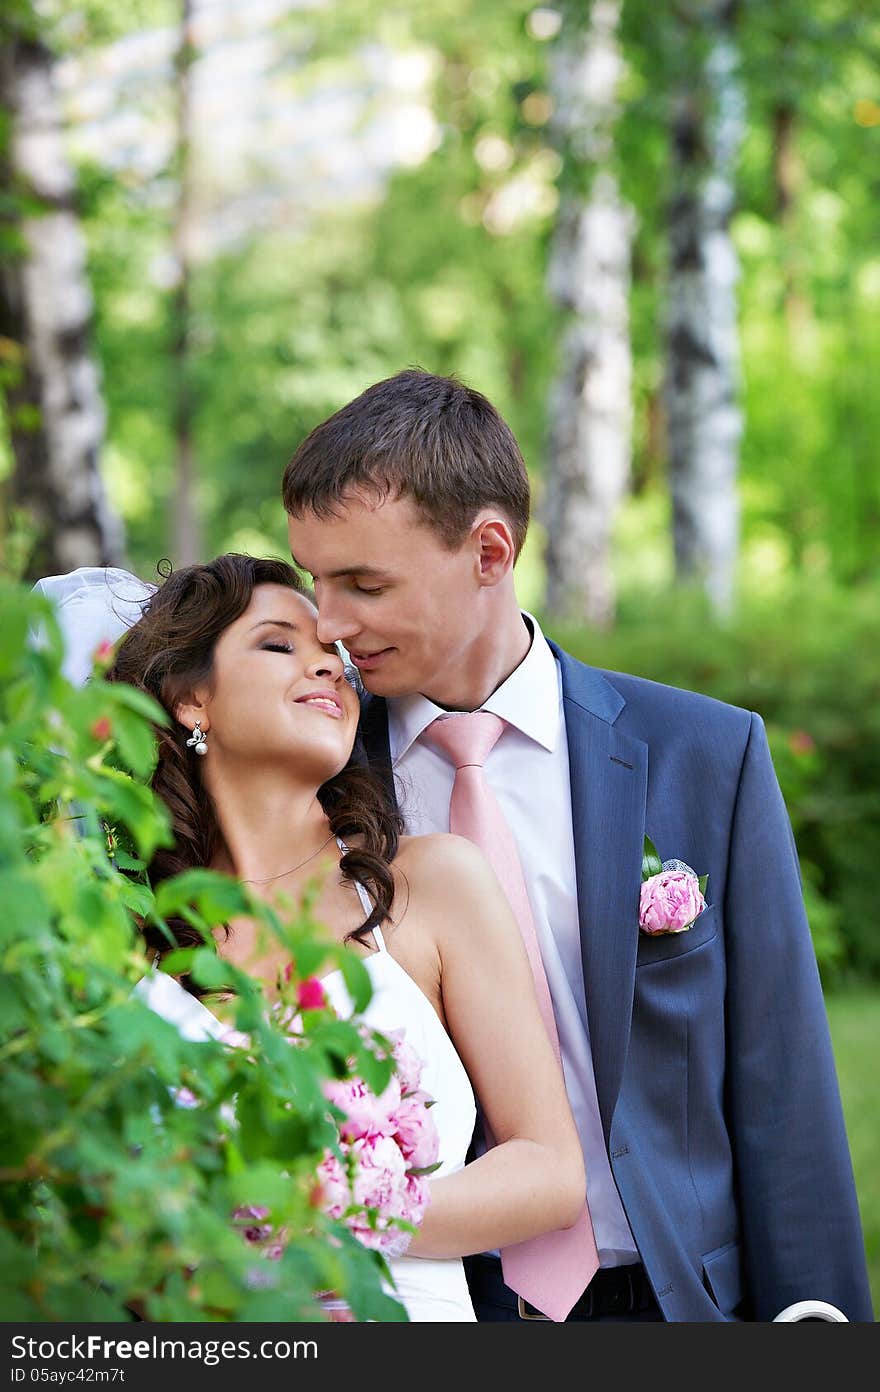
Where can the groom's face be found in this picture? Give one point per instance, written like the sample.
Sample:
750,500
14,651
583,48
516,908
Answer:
392,592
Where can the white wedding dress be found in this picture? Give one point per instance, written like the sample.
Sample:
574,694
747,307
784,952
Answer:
430,1289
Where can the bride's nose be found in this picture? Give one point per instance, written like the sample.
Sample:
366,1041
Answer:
328,665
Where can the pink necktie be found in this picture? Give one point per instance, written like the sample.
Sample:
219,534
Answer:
553,1270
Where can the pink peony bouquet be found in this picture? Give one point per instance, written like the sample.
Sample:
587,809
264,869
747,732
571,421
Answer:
378,1183
389,1145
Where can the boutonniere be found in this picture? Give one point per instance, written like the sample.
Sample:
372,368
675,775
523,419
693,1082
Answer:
671,895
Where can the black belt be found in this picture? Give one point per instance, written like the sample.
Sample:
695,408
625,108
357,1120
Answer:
614,1290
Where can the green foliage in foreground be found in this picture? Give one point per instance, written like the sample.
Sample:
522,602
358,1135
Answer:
855,1029
807,663
112,1190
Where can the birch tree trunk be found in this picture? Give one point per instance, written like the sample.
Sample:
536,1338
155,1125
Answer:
185,522
589,439
702,380
53,399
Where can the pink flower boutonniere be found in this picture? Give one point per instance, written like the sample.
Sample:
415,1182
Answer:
672,894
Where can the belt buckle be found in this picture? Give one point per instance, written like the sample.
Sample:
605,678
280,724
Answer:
527,1311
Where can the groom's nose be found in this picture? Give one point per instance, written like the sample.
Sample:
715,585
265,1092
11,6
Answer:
334,625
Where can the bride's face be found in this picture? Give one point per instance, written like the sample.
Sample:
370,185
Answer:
277,696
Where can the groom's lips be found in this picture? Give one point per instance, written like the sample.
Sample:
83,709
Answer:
368,662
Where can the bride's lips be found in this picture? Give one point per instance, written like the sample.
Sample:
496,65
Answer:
326,701
368,662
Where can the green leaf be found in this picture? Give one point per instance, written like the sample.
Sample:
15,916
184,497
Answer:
218,1289
135,806
25,908
209,970
138,702
13,635
137,897
703,881
136,743
12,1010
126,862
262,1183
357,980
217,897
178,962
651,862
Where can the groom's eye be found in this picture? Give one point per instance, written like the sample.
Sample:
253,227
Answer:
362,589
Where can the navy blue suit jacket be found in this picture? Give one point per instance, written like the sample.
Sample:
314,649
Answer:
714,1071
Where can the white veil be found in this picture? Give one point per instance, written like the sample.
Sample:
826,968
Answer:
93,604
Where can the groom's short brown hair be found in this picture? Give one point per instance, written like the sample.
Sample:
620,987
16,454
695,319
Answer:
430,438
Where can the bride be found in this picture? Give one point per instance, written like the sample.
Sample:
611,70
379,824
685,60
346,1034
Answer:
260,771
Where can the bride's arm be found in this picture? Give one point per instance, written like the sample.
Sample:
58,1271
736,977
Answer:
532,1180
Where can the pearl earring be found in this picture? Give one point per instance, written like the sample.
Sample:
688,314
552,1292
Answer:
198,740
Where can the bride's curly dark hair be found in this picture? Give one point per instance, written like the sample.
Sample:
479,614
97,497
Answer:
168,652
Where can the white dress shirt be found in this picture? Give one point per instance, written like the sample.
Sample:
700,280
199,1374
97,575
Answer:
528,772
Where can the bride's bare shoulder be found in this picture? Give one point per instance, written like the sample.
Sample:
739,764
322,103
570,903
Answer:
444,865
450,890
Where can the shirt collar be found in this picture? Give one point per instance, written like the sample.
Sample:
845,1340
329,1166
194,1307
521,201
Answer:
528,700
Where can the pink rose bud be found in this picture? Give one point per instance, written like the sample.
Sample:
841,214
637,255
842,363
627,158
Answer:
669,902
310,994
102,729
103,654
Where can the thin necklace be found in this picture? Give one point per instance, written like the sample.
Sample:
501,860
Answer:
282,873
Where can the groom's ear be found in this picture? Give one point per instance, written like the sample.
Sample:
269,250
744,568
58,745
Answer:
495,548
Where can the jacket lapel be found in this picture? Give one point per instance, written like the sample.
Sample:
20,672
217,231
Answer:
373,732
609,779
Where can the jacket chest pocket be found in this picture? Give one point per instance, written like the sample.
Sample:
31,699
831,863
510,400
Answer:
662,947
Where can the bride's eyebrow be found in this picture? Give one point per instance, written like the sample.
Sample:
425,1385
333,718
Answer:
275,623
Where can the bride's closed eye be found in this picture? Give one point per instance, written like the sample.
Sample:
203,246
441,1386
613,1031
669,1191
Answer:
277,647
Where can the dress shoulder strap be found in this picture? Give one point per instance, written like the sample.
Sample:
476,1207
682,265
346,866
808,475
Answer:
366,902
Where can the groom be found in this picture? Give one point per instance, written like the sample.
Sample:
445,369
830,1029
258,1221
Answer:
698,1063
